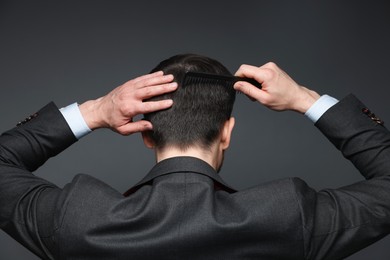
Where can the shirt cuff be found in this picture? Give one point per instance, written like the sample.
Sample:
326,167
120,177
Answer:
320,107
75,120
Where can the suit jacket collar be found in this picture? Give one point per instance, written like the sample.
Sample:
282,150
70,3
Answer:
185,165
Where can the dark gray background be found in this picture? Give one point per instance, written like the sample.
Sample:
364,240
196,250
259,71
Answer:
78,50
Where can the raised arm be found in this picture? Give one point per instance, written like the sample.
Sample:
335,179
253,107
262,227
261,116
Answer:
335,222
29,205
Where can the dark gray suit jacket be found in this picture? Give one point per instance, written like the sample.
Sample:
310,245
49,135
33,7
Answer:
183,210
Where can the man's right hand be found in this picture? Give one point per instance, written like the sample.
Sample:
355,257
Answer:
279,92
117,109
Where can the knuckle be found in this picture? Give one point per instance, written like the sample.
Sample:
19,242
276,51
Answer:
271,64
243,66
123,130
148,91
128,83
269,73
148,106
248,91
131,81
151,81
119,131
126,109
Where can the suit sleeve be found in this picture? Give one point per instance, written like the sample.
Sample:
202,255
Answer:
27,202
350,218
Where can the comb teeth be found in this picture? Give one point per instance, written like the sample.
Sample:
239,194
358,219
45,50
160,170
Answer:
205,78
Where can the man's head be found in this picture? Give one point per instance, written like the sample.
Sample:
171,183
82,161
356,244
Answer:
199,110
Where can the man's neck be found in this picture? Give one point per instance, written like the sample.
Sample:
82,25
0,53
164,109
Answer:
209,156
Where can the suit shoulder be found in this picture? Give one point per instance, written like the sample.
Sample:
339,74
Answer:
84,185
280,186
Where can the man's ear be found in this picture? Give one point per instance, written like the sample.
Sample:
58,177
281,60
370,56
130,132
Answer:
147,140
226,133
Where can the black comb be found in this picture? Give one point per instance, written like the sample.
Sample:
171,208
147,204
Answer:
200,77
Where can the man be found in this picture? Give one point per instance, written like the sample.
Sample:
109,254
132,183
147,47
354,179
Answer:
182,209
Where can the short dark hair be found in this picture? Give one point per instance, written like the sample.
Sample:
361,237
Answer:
199,110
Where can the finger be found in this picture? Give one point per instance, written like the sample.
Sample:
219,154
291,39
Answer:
249,90
153,81
246,71
151,75
152,91
134,127
260,74
153,106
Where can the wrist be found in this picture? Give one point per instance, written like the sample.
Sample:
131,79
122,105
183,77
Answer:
89,111
306,99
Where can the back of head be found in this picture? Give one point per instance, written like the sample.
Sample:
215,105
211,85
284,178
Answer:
199,110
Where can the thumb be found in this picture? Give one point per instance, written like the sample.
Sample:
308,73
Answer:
250,91
134,127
